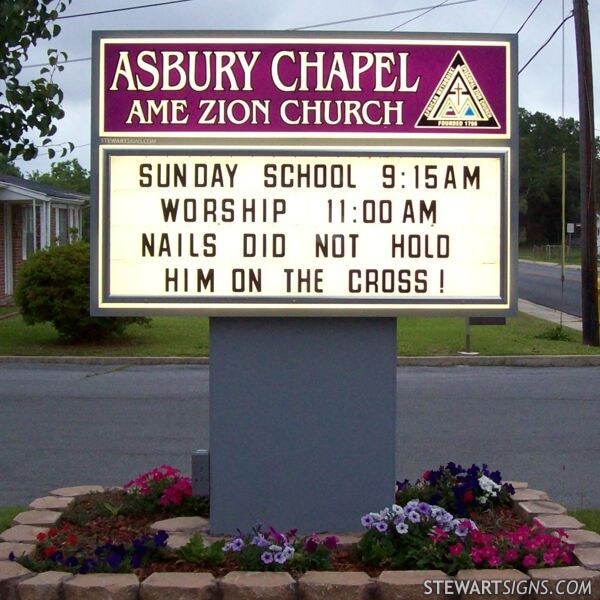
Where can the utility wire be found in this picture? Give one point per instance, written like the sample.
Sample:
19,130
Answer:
112,10
545,43
389,14
419,16
529,16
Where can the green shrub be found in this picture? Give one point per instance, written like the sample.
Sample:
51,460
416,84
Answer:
54,286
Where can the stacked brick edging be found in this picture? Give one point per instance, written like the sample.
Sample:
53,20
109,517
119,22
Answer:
18,583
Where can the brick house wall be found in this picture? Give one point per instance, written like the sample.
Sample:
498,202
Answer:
17,241
3,296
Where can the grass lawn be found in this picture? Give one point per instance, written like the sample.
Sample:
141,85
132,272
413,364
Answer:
7,514
188,336
522,335
168,336
7,310
590,517
551,254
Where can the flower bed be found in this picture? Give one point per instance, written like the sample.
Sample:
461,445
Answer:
451,519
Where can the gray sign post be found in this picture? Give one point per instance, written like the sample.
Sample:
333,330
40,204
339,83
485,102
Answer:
302,190
302,421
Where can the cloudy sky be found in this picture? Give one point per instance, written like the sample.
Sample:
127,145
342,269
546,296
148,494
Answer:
540,84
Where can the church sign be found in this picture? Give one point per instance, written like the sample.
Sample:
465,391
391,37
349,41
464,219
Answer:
296,174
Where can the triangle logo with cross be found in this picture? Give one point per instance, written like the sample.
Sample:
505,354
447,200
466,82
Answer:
458,101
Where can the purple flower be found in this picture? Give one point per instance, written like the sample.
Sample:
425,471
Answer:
160,538
280,557
367,521
424,508
114,560
311,544
278,537
266,558
413,516
330,542
381,526
260,541
237,545
136,561
71,562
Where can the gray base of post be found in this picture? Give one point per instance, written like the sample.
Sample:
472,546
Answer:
302,422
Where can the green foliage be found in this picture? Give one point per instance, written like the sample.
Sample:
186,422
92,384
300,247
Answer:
53,286
29,107
558,334
195,551
8,167
542,141
66,175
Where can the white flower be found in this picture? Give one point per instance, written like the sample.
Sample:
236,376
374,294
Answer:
402,528
487,485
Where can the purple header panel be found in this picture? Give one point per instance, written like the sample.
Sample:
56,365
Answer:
225,87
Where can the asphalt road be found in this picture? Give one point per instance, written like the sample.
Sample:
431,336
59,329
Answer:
540,283
73,424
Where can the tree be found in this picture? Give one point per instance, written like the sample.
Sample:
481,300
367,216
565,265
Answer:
542,141
8,167
29,108
66,175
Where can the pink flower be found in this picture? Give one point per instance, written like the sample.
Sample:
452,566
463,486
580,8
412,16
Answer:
532,545
529,561
438,535
549,558
566,558
511,555
476,556
456,549
488,551
521,534
479,538
177,493
561,533
494,561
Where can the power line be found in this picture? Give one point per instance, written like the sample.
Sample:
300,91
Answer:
545,43
419,16
529,16
112,10
389,14
364,18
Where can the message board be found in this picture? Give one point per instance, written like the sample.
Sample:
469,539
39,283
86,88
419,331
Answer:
304,176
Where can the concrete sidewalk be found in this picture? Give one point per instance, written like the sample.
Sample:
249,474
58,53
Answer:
550,314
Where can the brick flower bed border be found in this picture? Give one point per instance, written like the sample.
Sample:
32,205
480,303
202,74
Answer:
18,583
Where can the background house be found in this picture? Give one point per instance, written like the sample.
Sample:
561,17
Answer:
33,216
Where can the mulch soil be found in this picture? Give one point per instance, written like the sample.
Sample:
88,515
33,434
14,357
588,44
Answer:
123,529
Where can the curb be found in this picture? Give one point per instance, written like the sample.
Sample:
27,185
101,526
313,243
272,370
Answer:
564,360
